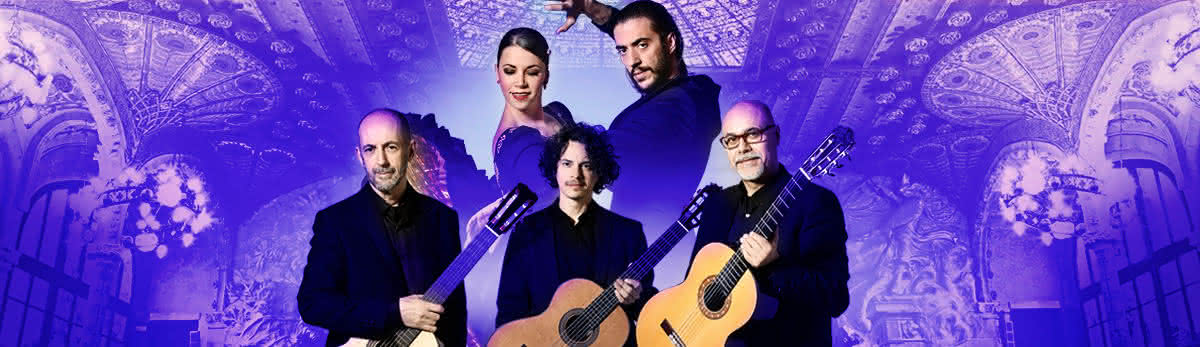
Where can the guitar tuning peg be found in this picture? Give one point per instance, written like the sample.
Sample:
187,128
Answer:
831,174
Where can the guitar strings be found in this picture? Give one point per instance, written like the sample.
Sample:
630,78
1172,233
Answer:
475,250
594,316
724,280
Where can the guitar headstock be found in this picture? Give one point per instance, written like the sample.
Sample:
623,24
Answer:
512,208
832,150
690,217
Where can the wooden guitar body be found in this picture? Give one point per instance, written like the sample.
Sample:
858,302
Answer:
424,339
550,327
678,316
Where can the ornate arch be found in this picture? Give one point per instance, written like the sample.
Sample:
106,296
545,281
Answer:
1128,83
990,225
1162,120
66,129
59,73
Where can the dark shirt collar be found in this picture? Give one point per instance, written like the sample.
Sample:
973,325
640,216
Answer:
401,212
767,193
588,216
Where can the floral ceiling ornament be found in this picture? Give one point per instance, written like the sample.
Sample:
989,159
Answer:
996,16
959,19
1039,194
1181,63
26,69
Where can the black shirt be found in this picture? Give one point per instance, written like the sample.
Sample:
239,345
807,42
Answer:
575,243
398,221
750,208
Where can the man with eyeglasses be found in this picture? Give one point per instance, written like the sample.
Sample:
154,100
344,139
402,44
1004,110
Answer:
801,272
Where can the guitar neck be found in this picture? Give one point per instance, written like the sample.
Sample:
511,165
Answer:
447,282
767,224
604,304
655,253
458,269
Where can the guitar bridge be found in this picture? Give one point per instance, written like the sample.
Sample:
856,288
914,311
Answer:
676,340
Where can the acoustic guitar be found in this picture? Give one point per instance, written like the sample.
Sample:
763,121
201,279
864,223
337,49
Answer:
583,314
718,295
512,207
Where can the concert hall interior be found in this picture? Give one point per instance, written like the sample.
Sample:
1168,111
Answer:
1026,172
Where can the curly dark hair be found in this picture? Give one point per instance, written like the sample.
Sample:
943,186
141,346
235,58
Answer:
599,151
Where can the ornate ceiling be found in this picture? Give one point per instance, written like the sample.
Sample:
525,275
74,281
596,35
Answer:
717,33
178,75
213,80
914,78
1029,67
911,77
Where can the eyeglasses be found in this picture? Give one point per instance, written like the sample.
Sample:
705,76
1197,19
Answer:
752,135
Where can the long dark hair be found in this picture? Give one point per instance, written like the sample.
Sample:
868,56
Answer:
660,20
528,39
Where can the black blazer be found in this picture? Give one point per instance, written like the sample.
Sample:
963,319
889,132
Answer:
530,273
349,284
809,277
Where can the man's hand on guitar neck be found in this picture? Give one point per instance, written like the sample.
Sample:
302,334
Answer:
757,250
419,314
628,291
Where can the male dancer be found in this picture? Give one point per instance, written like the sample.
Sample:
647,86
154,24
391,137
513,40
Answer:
665,136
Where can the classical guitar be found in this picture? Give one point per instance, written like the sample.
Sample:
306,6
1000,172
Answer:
583,314
512,207
718,295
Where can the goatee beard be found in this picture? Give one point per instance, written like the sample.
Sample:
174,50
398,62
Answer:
398,174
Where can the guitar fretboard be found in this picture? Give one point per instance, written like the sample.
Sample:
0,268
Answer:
447,282
766,226
603,305
463,263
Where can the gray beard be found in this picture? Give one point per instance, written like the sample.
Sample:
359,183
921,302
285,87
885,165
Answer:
386,186
754,175
757,173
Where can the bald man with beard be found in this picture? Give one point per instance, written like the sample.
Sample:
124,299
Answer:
374,253
801,272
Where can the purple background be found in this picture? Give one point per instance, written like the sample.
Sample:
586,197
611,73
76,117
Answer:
1026,171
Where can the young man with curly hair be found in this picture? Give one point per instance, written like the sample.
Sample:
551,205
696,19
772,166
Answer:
574,237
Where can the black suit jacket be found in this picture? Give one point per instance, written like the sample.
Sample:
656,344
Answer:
530,273
349,284
809,277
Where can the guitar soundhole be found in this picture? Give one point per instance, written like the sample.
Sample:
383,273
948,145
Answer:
576,330
713,298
